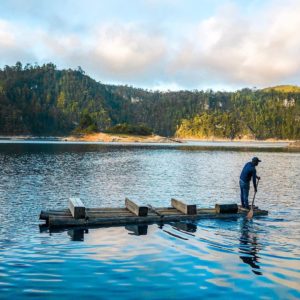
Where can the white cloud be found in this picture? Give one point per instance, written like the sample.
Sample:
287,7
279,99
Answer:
128,50
13,44
118,52
256,50
229,48
6,38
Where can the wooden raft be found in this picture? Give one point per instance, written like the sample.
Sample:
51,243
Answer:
79,215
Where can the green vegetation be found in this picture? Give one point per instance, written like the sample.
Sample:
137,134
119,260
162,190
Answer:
86,124
130,129
206,125
257,114
284,89
42,100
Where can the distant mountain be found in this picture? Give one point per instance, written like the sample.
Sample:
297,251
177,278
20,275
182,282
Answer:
42,100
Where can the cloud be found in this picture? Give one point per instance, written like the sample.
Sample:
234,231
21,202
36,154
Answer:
13,46
245,50
229,48
128,50
118,51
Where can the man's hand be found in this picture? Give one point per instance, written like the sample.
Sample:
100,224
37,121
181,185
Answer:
258,177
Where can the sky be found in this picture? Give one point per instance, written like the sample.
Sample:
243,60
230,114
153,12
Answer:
158,44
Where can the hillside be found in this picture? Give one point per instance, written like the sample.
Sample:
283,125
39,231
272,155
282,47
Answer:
42,100
283,89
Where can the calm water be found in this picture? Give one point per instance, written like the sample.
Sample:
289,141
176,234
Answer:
209,258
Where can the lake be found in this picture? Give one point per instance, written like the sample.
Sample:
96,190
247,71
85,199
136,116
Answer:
221,259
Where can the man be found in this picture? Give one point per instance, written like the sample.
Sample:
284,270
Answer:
248,172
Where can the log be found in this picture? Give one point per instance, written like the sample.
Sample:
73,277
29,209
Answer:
140,211
92,213
67,221
59,221
44,215
226,208
77,208
190,209
206,211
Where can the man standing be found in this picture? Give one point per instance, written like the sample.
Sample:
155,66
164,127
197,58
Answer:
248,172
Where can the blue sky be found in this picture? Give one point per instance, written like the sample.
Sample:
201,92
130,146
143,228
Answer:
158,44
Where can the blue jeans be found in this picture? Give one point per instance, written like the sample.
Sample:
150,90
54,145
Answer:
245,187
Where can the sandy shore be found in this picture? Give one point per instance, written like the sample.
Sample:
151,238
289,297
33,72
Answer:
123,138
234,140
295,144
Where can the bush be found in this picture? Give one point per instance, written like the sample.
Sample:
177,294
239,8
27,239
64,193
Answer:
125,128
86,124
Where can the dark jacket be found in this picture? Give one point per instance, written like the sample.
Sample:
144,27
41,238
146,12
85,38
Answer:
248,172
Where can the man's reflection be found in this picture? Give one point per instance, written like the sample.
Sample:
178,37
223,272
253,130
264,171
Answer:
249,246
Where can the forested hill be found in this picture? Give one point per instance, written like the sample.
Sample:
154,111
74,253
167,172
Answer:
42,100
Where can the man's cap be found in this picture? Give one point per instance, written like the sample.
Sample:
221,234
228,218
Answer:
256,159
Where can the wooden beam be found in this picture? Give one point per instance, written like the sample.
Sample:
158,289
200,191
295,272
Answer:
140,211
155,210
187,209
77,208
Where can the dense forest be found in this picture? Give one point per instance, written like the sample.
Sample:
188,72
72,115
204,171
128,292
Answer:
42,100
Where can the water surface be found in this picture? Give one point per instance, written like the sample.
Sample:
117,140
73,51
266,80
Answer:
208,258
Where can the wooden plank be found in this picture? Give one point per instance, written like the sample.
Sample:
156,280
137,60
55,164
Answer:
140,211
155,211
170,212
129,213
77,208
105,215
187,209
107,209
206,211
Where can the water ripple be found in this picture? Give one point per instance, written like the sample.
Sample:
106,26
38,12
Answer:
207,258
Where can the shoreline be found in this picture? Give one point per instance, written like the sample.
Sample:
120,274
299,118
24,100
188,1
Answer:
150,139
95,137
120,138
245,138
126,138
271,140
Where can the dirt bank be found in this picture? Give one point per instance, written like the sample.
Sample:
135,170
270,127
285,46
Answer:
123,138
295,144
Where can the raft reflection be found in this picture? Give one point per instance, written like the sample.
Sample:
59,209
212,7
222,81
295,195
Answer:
77,234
